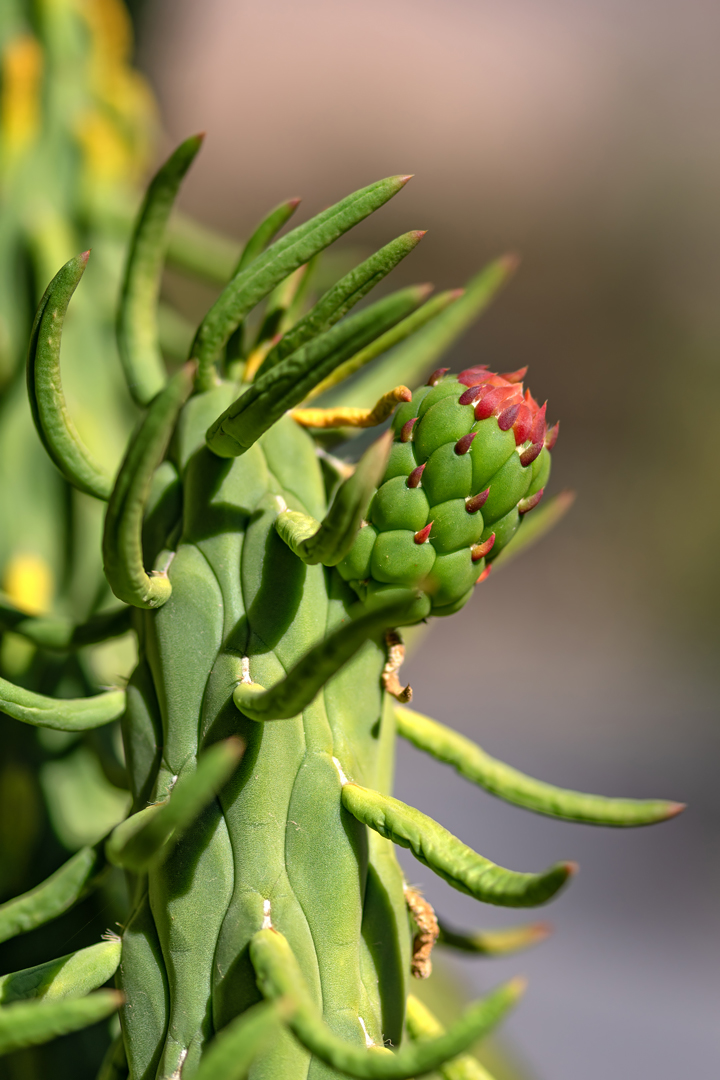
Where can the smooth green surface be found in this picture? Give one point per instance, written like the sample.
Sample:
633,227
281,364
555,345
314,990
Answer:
514,787
150,834
447,856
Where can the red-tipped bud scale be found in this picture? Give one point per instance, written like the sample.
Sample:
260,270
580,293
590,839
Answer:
526,505
479,551
406,430
476,502
422,535
437,376
415,476
463,445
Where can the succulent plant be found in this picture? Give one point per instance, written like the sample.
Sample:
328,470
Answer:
271,932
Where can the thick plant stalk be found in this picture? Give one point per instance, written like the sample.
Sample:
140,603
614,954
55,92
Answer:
270,930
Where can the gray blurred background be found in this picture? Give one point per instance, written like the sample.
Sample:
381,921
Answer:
586,137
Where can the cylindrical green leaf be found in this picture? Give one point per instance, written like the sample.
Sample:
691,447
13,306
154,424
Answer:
63,714
515,787
47,401
448,857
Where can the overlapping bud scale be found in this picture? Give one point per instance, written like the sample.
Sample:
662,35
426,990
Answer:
471,454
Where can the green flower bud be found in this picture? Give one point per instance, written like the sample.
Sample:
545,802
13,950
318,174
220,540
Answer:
471,455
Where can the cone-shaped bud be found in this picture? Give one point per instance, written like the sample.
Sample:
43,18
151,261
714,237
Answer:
406,430
437,376
415,476
525,505
463,444
422,535
479,551
471,455
476,502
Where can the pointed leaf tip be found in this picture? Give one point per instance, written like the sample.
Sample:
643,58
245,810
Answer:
510,262
673,809
85,256
403,179
517,986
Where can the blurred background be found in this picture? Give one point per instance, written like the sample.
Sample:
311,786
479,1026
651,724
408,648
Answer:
585,137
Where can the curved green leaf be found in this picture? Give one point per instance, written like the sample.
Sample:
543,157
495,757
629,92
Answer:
29,1023
47,401
137,324
422,1025
73,975
53,896
304,681
122,535
279,975
515,787
328,543
265,272
231,1053
448,857
62,714
500,941
288,383
150,835
56,632
343,296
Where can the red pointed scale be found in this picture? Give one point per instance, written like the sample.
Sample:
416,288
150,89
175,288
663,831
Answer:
479,551
473,376
507,417
523,425
528,456
422,535
515,376
531,402
437,376
539,427
492,401
551,437
471,395
485,574
406,430
463,445
413,479
475,503
526,505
